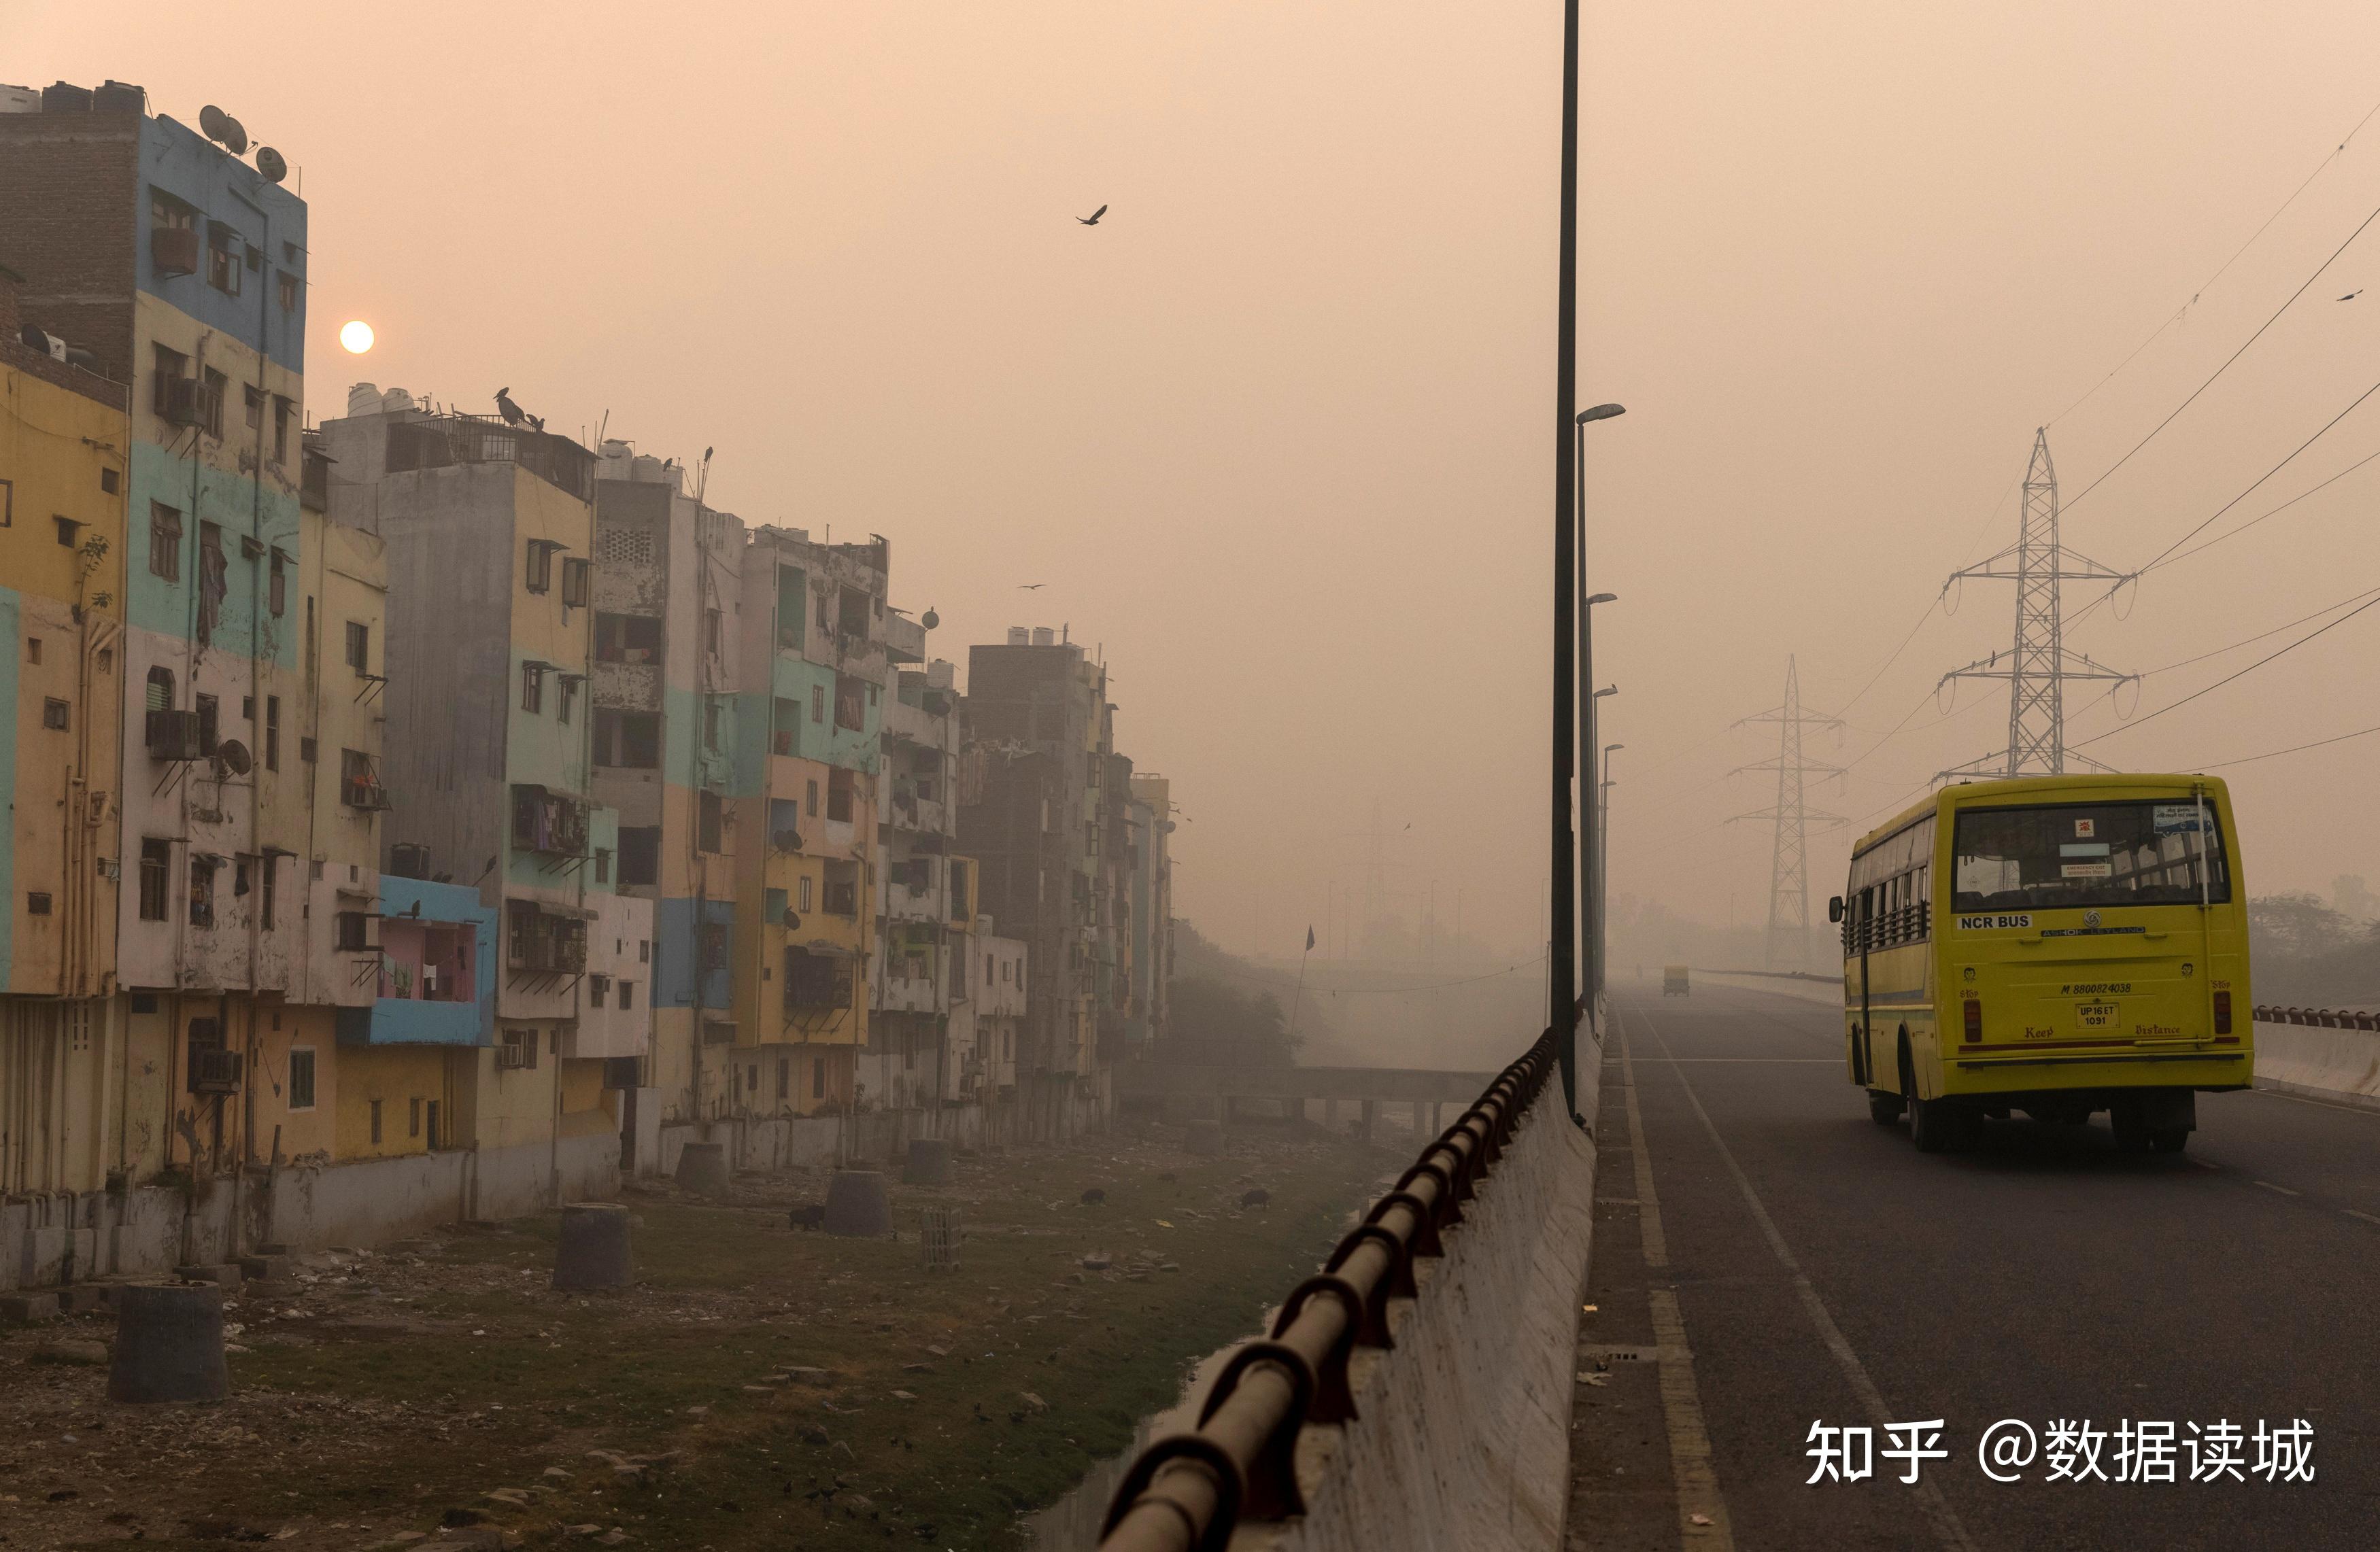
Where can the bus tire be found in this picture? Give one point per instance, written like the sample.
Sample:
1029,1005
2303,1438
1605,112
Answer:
2131,1128
1934,1125
1883,1106
2170,1139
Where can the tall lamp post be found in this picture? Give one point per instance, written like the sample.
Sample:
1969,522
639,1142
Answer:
1602,872
1562,876
1590,840
1591,867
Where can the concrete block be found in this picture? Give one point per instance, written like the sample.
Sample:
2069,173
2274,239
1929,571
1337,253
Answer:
593,1252
81,1298
929,1164
263,1269
27,1309
1203,1137
702,1168
858,1205
169,1343
223,1274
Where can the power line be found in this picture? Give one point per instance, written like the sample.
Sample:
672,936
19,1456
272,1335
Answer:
2207,284
2292,749
2260,636
2274,513
2229,678
2229,359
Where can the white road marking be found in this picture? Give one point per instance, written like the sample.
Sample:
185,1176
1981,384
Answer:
2364,1216
2309,1099
1938,1512
2282,1188
1702,1510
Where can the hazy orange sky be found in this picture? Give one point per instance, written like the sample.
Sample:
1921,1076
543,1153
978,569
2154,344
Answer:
1277,433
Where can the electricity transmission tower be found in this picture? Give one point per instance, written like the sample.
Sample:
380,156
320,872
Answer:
1787,947
2037,667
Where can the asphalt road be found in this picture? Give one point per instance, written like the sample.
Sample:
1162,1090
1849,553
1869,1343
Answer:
1766,1257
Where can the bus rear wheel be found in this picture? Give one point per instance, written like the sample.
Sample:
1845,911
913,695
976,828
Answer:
2170,1139
1883,1106
1936,1125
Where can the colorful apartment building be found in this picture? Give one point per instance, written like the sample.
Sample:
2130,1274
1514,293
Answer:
1150,818
925,891
668,582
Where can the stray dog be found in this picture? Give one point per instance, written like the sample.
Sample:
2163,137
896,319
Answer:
1095,1197
806,1218
1256,1199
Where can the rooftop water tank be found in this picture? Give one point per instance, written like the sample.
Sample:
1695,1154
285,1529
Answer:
1044,636
397,400
363,399
1018,635
647,469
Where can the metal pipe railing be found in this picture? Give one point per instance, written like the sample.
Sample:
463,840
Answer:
1186,1492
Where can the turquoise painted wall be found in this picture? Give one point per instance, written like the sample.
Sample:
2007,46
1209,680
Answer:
164,607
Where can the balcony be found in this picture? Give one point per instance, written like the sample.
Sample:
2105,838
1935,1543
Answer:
904,639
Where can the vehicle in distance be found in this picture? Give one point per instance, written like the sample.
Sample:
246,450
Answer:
2058,945
1673,980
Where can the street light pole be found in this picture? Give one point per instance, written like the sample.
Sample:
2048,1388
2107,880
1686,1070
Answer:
1561,948
1602,874
1591,935
1592,839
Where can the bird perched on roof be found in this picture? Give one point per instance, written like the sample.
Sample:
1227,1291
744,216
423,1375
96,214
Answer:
1092,219
512,412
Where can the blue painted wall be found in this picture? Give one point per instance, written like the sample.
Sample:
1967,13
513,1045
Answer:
675,953
264,216
393,1021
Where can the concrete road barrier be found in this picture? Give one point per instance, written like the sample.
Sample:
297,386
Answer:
2329,1063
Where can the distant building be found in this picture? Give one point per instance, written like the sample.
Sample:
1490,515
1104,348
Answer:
1151,893
924,891
1043,811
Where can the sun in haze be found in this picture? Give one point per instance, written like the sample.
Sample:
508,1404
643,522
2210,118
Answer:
357,335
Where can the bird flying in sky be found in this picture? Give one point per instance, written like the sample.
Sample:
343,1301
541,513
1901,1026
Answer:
1029,586
1092,219
2353,295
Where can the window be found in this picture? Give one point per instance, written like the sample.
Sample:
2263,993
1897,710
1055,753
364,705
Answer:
202,892
597,986
375,1121
784,726
711,723
280,430
644,951
301,1077
532,686
842,787
706,821
360,645
803,895
603,864
850,707
210,403
37,903
214,576
628,638
413,1117
272,866
813,809
360,784
713,631
631,740
640,855
815,981
171,368
714,945
784,1077
569,697
208,720
254,398
164,542
277,585
576,577
2071,856
156,862
817,703
272,733
539,575
818,1077
289,291
348,930
9,498
627,994
54,713
222,263
69,531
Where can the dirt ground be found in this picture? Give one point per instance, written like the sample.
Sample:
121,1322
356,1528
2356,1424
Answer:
759,1386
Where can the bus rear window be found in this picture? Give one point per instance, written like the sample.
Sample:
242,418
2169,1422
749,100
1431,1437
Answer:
2086,854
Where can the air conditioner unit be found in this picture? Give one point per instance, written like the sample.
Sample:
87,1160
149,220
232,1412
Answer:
174,249
173,735
183,401
214,1072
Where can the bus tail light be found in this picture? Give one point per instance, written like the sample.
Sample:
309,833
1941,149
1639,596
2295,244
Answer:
2223,1013
1975,1022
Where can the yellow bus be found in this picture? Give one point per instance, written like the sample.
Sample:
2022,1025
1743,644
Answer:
2057,945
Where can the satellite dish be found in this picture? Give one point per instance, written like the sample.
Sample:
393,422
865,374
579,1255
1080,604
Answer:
234,138
233,756
212,119
272,164
930,619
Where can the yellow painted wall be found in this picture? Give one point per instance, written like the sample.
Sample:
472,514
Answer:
398,1077
313,1131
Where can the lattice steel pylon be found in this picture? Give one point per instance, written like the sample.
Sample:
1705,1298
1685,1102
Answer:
1787,944
2038,665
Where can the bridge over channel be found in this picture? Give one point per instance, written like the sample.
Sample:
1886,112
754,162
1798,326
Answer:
1547,1338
